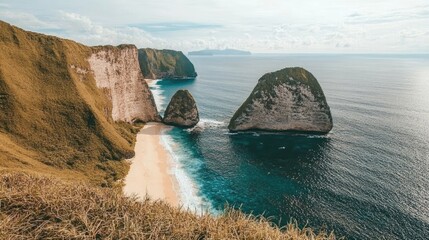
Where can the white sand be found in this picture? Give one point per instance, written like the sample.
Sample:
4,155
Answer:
149,171
149,81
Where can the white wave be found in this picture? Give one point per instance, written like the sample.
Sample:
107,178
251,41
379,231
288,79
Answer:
231,133
157,93
206,123
212,122
187,191
317,136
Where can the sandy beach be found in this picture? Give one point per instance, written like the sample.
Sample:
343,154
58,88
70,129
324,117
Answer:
149,171
148,80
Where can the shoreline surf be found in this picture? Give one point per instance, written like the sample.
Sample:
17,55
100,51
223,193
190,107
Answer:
156,170
149,174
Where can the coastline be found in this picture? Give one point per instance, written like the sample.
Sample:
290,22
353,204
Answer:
149,80
184,186
157,93
149,173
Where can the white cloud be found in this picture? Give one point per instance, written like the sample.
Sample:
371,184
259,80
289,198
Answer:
83,29
412,33
407,14
256,25
26,20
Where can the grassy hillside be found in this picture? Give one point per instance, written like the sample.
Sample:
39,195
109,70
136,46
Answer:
56,127
54,119
43,208
157,64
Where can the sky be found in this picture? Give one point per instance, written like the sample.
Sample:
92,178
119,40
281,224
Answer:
260,26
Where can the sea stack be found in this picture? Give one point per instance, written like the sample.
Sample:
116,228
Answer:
182,110
290,99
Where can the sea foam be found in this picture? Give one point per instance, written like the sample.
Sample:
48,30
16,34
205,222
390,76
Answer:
187,190
205,123
157,93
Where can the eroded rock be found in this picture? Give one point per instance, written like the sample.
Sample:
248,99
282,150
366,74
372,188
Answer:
117,70
182,110
290,99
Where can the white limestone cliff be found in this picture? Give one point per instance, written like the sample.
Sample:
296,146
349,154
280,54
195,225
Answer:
117,70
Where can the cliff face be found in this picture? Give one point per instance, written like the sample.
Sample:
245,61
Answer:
58,109
158,64
287,100
117,70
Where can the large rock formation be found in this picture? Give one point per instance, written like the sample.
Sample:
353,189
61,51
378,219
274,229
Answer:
55,120
182,110
290,99
167,64
117,70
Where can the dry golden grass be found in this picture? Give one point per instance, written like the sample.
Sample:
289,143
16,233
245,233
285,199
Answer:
44,208
55,122
53,117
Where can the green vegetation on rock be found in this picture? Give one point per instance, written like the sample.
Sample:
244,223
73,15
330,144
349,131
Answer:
165,64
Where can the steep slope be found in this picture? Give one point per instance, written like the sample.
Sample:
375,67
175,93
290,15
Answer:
157,64
54,119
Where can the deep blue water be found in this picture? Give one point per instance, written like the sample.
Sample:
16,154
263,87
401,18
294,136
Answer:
368,178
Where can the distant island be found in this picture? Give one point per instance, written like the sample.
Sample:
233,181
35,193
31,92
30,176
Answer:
213,52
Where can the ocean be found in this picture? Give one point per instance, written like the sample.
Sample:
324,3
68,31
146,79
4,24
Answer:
368,178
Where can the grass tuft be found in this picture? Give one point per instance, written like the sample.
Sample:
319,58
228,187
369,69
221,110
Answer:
34,207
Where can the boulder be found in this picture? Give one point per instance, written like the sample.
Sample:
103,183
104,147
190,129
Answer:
182,110
290,99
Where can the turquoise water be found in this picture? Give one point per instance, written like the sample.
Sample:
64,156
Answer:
367,179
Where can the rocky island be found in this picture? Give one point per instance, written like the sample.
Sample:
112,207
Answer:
182,110
290,99
165,64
